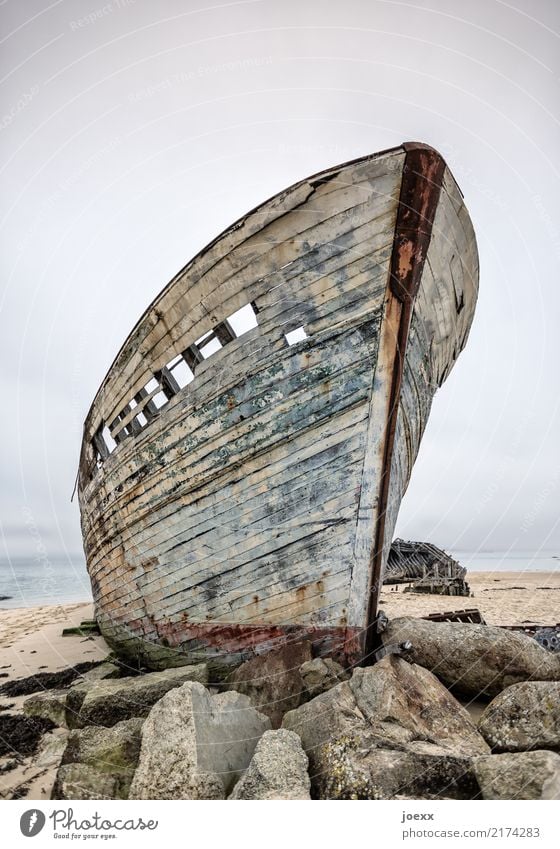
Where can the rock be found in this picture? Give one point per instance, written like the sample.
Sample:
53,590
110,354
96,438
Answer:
321,674
368,737
74,701
397,693
108,749
50,705
101,672
113,750
110,701
63,706
195,746
354,767
523,775
400,702
273,681
51,750
474,659
278,769
331,715
523,717
80,781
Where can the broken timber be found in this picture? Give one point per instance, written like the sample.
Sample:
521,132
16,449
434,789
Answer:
471,615
244,459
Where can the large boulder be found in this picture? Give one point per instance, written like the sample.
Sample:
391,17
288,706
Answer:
399,701
523,717
80,781
51,750
110,701
362,766
394,707
101,672
278,769
397,694
521,775
60,706
110,751
273,681
49,705
196,746
320,674
473,660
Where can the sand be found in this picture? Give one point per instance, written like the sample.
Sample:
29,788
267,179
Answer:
31,641
503,598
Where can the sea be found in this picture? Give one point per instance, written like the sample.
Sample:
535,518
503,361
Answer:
29,582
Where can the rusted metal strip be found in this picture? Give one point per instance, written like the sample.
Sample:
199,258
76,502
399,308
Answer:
420,191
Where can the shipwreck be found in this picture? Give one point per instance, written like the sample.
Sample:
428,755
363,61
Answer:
244,459
428,568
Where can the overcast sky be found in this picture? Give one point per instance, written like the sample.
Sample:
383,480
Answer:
133,132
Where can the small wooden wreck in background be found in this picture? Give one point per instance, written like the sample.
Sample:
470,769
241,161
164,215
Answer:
244,459
428,568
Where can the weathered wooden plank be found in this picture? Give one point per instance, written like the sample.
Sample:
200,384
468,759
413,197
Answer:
197,591
282,463
284,485
167,530
282,429
276,390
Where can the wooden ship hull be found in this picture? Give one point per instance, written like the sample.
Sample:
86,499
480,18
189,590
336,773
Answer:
239,483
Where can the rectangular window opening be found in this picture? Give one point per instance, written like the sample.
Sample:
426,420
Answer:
160,400
243,319
141,419
297,335
181,372
209,348
108,439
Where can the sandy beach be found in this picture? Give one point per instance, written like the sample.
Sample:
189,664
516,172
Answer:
503,598
31,641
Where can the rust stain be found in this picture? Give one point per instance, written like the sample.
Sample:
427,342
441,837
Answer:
338,641
405,258
420,189
300,594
